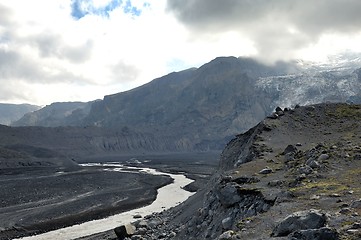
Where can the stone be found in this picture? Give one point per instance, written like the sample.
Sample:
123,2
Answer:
275,183
345,210
124,231
245,180
278,109
298,144
155,222
356,225
324,233
313,163
323,157
228,235
137,216
273,116
305,170
356,204
289,149
227,223
228,195
172,235
143,224
136,237
303,220
265,171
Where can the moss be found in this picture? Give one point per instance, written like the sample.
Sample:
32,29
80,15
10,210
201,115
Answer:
325,186
346,111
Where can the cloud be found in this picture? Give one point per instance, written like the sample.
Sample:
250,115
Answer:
275,26
123,72
52,45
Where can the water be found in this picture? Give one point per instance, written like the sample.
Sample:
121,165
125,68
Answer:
168,196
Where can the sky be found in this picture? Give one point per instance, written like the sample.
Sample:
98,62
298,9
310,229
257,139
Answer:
81,50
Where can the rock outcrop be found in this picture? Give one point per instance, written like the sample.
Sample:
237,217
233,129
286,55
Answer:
312,192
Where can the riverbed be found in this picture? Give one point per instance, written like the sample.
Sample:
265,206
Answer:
168,196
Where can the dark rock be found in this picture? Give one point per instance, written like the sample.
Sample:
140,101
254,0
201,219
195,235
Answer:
313,163
345,210
124,231
310,108
280,113
290,149
275,183
303,220
228,195
278,109
324,233
137,216
273,116
305,170
356,204
245,180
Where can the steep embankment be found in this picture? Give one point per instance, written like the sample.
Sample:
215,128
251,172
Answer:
293,176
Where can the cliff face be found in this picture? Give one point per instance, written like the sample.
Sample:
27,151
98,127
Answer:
294,176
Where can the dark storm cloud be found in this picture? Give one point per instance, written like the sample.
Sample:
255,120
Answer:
272,24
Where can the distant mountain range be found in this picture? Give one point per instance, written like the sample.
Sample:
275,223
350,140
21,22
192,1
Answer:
55,115
12,112
200,109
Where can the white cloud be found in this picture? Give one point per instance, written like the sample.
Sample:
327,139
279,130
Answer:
48,55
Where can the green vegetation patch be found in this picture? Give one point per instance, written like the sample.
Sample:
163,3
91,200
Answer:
346,111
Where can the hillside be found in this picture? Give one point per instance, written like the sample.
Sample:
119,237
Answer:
201,109
291,177
55,115
13,112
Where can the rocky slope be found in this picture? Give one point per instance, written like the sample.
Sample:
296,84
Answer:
13,112
294,176
203,108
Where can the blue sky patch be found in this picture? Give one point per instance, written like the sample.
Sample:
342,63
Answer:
81,8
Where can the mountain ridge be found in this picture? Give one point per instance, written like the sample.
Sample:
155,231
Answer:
202,108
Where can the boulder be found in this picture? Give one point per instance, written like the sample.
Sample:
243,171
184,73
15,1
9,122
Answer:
278,109
324,233
289,149
356,204
228,195
303,220
124,231
227,223
265,171
323,157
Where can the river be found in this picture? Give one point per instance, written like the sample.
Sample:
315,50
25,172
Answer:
168,196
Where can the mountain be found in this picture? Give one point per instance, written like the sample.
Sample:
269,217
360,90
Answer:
13,112
201,109
291,177
56,114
